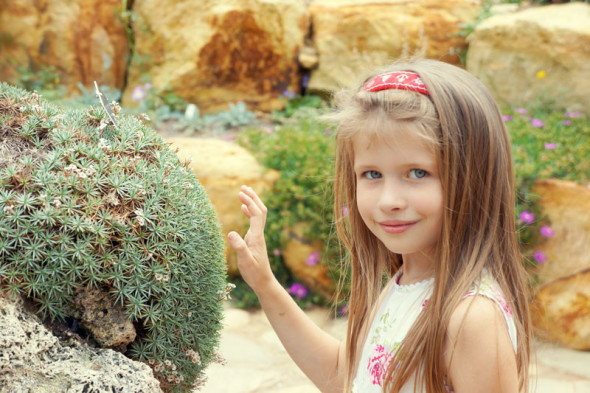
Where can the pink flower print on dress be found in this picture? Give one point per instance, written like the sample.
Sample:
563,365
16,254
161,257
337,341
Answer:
379,363
499,297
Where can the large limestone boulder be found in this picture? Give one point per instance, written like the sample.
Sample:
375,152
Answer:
354,36
32,359
561,311
561,306
536,53
222,167
567,206
83,39
213,52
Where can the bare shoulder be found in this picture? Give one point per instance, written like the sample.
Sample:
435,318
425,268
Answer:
475,317
478,352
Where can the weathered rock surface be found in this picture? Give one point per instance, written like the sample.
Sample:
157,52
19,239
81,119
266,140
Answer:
83,40
353,37
222,167
567,206
536,53
108,322
561,311
212,53
33,359
301,257
561,307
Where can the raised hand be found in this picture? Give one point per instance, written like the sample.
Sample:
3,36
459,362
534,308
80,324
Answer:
251,250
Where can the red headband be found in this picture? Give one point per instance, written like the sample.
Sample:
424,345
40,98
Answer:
402,80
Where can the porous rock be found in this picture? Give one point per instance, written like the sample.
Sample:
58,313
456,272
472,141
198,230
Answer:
83,39
561,311
222,167
212,53
355,36
106,320
33,359
535,54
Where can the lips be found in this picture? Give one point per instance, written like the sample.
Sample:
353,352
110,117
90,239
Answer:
396,226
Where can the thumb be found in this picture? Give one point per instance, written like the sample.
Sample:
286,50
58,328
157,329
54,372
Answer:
239,245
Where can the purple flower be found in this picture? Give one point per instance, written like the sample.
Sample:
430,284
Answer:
276,252
572,114
527,217
345,210
328,131
298,290
522,111
289,94
567,123
138,93
550,146
305,81
537,123
343,310
312,259
547,231
540,256
506,117
230,137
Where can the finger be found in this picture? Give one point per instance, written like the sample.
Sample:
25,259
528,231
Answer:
240,247
249,191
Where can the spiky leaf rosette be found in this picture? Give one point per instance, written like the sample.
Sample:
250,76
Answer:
85,204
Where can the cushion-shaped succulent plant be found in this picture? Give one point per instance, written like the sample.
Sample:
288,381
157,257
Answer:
90,205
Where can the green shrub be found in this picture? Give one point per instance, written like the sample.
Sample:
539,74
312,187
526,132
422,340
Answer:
86,204
303,153
545,144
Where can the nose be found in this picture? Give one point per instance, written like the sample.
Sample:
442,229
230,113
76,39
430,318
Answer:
393,196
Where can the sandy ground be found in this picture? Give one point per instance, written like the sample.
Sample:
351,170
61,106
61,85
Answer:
257,363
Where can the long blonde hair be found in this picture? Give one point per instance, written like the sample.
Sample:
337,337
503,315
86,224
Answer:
465,126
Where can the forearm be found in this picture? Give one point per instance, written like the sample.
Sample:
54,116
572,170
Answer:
315,352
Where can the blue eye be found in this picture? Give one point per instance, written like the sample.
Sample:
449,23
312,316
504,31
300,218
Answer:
372,175
418,173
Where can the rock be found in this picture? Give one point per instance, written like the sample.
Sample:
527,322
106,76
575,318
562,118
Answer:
106,320
567,206
83,40
213,53
222,167
355,36
561,311
538,53
33,359
301,257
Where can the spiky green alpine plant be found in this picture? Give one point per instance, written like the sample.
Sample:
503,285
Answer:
87,204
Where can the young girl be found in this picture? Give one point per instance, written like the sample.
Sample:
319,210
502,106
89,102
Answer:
423,172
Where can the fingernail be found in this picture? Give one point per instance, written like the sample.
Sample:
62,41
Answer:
231,236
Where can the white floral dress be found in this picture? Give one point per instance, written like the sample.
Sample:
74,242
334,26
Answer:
398,312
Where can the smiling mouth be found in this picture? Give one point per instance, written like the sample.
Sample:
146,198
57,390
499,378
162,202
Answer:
396,226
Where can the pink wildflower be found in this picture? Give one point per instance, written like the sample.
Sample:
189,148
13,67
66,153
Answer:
547,231
540,257
550,146
527,217
537,123
312,259
298,290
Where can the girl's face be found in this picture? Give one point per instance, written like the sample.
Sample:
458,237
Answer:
399,193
